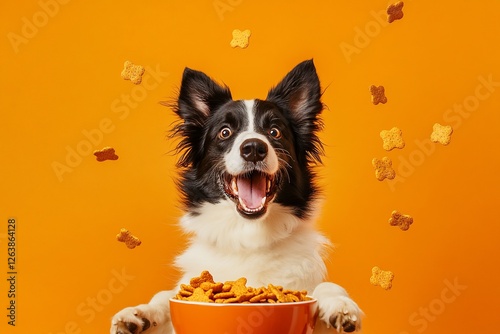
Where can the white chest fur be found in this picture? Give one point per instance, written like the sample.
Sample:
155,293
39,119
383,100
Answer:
279,248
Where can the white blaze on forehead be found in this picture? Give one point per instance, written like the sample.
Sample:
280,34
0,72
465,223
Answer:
235,164
249,106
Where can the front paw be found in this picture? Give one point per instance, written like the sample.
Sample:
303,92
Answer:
336,309
346,317
132,320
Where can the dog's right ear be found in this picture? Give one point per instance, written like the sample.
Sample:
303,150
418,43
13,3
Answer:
199,96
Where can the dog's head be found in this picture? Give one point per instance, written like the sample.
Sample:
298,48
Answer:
250,152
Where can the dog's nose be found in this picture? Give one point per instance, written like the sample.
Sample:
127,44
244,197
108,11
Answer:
253,150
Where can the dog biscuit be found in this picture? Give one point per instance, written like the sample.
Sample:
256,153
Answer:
240,38
383,168
378,94
186,287
204,289
132,72
259,297
278,293
130,240
185,291
224,295
107,153
200,295
401,220
441,134
395,12
392,138
205,276
215,287
239,287
382,278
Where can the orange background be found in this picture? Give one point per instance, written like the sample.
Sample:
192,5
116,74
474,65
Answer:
61,85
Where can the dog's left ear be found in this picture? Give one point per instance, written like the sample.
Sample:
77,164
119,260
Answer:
299,93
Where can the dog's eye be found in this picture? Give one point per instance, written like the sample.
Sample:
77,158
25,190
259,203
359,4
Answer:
225,133
275,133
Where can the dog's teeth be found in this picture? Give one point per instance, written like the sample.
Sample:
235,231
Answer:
263,202
268,185
243,204
234,186
247,209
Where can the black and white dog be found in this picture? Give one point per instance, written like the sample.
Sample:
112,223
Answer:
248,186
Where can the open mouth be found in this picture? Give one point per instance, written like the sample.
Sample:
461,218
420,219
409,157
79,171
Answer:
251,191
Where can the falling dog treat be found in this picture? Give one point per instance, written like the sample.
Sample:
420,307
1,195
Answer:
130,240
441,134
132,72
107,153
378,94
395,12
382,278
392,138
383,168
240,38
401,220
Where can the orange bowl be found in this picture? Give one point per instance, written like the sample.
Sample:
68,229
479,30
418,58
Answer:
263,318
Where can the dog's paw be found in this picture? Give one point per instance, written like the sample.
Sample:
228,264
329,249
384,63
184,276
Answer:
341,313
336,309
132,320
346,318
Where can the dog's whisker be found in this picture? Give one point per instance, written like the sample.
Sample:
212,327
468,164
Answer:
284,152
282,171
285,163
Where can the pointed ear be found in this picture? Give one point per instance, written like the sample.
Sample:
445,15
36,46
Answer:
199,95
299,95
299,92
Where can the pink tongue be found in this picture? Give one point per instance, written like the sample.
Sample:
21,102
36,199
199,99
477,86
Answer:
251,190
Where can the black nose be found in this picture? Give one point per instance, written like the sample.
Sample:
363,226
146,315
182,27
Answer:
253,150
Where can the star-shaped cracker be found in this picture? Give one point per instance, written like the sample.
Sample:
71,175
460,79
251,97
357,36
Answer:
240,38
240,291
107,153
392,138
378,94
200,295
395,12
132,72
383,168
382,278
401,220
441,134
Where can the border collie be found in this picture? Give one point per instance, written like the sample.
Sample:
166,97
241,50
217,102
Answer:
247,182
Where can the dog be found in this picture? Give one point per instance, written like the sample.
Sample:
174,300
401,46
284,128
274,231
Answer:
247,182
